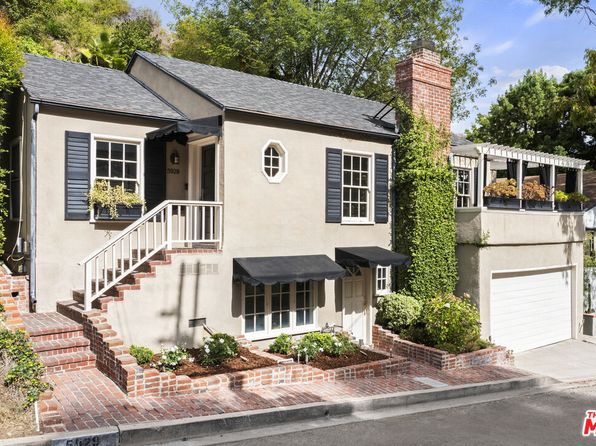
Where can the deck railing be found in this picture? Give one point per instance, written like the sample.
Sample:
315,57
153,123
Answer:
171,224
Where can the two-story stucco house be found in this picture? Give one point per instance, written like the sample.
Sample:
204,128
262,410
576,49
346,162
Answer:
268,203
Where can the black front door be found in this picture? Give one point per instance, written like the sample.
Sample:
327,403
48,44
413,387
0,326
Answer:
208,173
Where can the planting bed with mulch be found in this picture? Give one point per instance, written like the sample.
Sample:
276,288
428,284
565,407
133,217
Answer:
326,362
246,360
14,420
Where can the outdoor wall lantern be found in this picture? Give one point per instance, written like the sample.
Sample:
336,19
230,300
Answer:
175,157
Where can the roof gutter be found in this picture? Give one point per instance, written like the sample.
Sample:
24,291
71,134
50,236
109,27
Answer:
33,212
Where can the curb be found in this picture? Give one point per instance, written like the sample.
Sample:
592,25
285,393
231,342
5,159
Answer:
187,428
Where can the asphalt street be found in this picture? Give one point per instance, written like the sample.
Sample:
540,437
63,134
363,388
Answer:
552,418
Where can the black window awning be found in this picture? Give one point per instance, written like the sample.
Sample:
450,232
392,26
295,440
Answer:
370,257
270,270
210,126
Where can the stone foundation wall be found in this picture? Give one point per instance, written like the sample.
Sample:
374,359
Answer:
389,342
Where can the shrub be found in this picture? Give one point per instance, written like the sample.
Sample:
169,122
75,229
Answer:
341,345
171,358
561,196
313,344
533,190
282,344
452,323
104,195
398,311
26,371
577,197
218,348
503,189
1,308
143,355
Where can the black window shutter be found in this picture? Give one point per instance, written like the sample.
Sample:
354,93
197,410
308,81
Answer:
333,186
381,188
78,146
155,172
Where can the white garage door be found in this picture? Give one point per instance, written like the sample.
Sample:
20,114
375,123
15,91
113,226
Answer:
532,310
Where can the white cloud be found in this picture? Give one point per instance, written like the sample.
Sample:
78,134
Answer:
554,70
500,48
496,71
535,18
517,73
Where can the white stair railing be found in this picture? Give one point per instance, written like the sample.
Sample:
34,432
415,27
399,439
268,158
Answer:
171,224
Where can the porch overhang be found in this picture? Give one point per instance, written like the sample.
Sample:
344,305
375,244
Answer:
286,269
370,257
179,131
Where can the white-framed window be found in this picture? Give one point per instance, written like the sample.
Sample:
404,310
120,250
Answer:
305,307
118,161
254,308
463,187
383,276
356,187
274,161
269,310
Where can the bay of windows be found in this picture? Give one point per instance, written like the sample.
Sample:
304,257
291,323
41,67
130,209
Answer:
278,308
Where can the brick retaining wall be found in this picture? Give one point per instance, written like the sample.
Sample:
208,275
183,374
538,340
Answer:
389,342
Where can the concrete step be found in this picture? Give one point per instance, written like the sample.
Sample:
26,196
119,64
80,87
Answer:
60,346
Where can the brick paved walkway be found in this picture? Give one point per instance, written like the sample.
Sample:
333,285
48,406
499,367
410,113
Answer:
88,399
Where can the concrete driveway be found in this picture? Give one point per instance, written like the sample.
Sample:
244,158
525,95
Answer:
571,360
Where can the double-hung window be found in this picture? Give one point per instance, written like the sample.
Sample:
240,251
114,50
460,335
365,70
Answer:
118,163
356,188
463,188
280,308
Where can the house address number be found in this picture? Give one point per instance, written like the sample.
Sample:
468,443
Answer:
172,171
110,439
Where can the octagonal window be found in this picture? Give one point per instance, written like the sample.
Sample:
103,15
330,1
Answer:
275,161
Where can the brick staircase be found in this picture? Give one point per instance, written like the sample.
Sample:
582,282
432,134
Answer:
59,342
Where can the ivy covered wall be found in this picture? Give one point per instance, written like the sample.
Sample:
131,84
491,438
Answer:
424,214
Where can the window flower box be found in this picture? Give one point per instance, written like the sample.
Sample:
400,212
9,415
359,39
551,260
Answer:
569,206
502,202
537,205
590,324
125,213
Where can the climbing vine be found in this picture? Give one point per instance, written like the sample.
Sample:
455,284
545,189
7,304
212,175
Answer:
11,60
424,214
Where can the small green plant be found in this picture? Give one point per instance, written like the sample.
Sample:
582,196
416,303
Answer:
171,358
313,344
341,345
503,189
27,371
218,348
143,355
452,323
109,197
561,196
398,311
578,197
282,344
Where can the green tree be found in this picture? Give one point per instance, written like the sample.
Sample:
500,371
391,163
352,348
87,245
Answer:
342,45
11,61
425,215
103,53
570,7
539,113
138,32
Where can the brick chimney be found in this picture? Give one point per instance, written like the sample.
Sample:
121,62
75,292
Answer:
426,84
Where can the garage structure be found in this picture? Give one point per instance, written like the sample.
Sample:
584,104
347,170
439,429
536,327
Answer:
530,309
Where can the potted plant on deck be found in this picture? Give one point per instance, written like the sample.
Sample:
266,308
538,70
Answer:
569,202
536,196
502,195
114,202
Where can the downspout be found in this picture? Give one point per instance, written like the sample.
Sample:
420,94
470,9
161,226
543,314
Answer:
33,212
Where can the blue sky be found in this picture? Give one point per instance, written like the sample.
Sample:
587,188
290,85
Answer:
515,36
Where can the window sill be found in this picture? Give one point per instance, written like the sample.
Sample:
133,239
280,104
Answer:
262,336
362,223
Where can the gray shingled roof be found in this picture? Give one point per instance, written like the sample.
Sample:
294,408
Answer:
459,140
74,84
241,91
